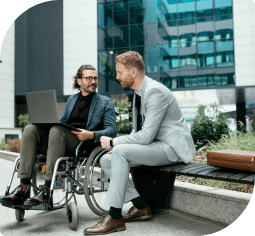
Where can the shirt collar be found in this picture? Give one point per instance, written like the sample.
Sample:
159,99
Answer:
85,98
142,86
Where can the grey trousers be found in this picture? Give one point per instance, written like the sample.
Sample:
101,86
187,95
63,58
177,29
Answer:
117,166
55,143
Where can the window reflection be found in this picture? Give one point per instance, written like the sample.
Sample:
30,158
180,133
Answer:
204,8
188,60
205,80
105,62
105,39
224,34
218,18
104,14
225,79
187,40
223,7
154,59
153,34
121,12
105,84
169,34
137,35
170,58
153,11
186,9
188,81
205,36
205,54
137,11
121,37
170,81
224,53
169,10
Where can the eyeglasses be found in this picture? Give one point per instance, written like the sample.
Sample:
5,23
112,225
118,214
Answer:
90,79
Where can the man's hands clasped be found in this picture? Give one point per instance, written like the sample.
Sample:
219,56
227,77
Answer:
83,135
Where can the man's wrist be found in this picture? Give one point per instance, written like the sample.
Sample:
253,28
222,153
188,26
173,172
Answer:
111,142
92,135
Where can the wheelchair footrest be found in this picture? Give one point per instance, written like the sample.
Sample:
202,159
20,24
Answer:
43,206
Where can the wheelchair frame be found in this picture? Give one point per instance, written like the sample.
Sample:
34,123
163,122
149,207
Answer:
74,170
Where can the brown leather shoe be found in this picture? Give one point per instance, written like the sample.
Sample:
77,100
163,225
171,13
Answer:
106,226
135,214
39,198
17,196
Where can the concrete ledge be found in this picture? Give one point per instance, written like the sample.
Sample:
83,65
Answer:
219,205
10,156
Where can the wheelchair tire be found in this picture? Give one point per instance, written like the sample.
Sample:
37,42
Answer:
72,215
94,188
59,197
19,214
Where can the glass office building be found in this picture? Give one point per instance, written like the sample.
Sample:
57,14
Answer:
186,44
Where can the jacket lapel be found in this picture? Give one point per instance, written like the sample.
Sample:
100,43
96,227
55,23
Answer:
72,104
92,107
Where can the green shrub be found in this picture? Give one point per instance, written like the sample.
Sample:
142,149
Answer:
23,120
124,119
14,145
3,145
209,125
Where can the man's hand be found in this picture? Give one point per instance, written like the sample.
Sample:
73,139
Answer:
84,135
105,142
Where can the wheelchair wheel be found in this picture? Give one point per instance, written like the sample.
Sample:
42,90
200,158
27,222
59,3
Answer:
19,214
96,183
59,196
72,215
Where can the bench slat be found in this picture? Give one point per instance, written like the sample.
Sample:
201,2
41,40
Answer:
183,167
249,179
188,169
238,177
197,171
209,171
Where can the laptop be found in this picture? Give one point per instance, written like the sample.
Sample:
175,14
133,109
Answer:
42,109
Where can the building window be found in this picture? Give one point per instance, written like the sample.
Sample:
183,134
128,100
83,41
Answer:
105,62
104,14
188,81
205,54
137,11
154,59
224,53
121,37
153,11
121,13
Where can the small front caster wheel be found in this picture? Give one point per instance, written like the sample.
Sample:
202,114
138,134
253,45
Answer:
72,215
20,214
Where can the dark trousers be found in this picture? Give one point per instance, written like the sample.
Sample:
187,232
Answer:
55,142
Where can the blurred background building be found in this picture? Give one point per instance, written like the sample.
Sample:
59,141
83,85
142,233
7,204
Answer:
203,50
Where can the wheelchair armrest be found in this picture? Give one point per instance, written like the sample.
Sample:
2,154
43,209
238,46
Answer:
77,153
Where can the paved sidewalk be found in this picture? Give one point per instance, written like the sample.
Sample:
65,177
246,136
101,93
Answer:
55,223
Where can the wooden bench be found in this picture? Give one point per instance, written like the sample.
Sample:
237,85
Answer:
155,184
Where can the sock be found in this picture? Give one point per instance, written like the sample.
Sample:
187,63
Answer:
139,203
25,181
115,213
47,183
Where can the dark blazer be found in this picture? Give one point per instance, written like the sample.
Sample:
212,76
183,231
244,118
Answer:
101,118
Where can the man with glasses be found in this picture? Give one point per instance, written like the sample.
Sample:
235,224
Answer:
88,111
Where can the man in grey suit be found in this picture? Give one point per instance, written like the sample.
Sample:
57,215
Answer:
88,111
160,136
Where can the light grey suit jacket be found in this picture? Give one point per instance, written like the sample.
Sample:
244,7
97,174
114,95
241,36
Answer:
162,121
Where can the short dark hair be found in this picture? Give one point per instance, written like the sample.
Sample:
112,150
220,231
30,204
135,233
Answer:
79,75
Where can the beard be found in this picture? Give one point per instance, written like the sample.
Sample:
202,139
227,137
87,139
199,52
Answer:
90,89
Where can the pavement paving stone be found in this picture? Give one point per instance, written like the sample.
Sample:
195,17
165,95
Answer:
51,223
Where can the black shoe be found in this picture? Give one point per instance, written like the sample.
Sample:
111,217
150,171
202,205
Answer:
39,198
17,196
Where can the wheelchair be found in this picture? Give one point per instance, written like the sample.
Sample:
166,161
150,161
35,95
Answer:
69,173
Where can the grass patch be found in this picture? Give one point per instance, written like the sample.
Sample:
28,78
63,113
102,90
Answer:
237,141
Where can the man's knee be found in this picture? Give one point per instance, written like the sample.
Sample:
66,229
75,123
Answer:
56,132
29,130
105,160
